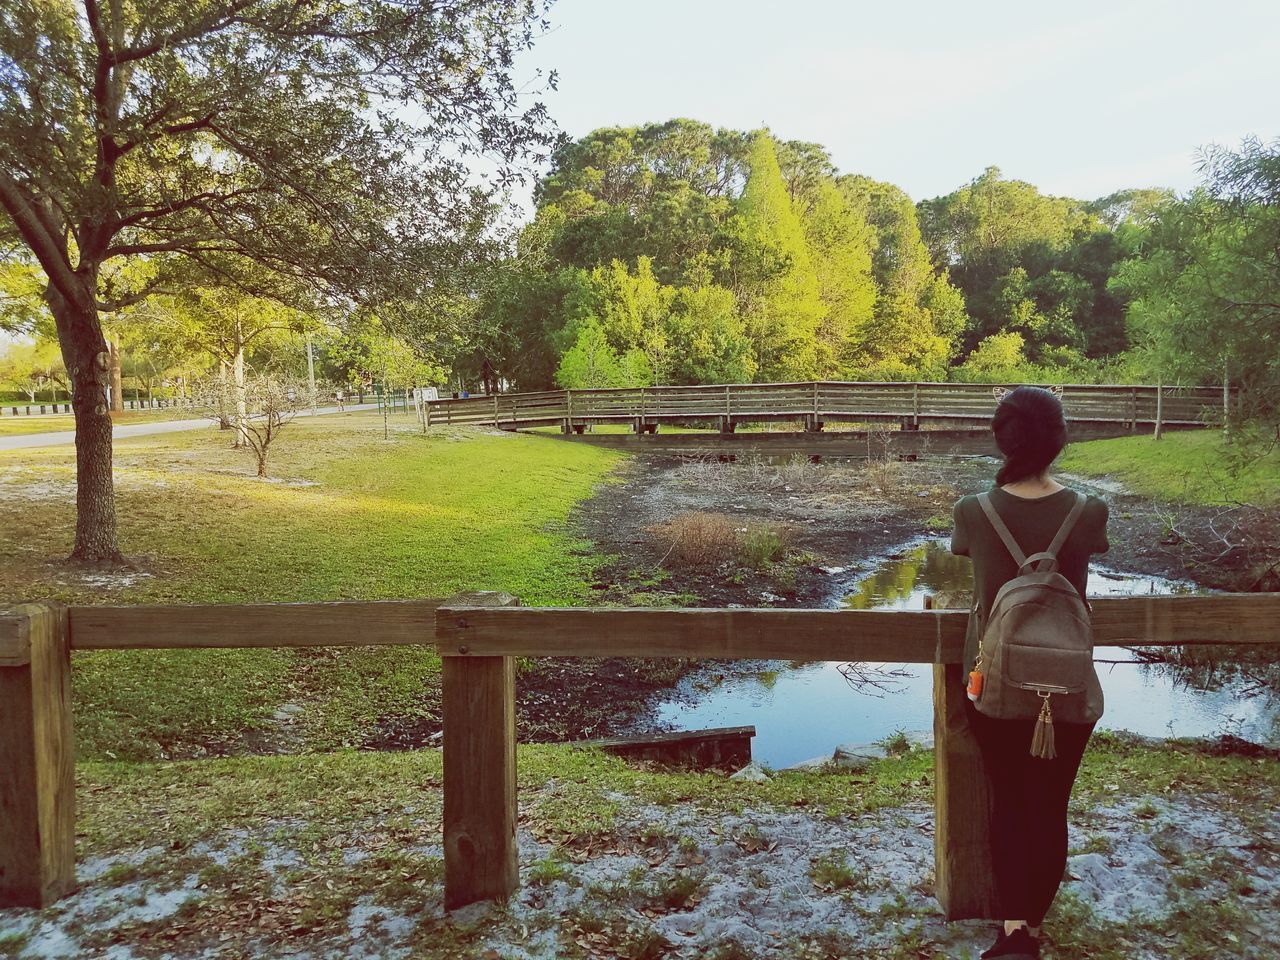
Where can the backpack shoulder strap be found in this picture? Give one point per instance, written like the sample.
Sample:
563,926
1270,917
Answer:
1046,561
1067,525
1002,529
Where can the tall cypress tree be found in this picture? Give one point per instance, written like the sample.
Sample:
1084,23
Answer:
781,305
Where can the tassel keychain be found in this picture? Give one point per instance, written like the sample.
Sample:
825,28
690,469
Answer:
1042,744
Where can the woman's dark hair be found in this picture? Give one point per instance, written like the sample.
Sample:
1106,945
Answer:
1030,431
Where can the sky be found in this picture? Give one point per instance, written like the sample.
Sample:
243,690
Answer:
1080,99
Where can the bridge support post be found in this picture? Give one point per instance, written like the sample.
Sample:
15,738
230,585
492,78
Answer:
964,882
812,424
37,758
727,425
479,701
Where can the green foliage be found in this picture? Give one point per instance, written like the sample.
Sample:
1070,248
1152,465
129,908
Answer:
781,307
35,368
1205,294
761,544
917,312
841,242
593,362
1033,264
22,308
708,341
723,257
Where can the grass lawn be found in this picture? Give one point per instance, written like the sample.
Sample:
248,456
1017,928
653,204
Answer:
347,515
12,426
1192,466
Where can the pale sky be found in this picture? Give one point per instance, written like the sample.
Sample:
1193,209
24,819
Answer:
1079,98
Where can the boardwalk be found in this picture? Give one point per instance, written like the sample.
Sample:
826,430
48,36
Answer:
813,405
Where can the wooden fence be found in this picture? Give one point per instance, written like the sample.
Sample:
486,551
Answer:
814,404
478,636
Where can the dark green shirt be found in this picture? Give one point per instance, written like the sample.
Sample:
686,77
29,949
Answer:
1033,523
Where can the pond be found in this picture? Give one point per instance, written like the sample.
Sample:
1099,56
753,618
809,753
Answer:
805,710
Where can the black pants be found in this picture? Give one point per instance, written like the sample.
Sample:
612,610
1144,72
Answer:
1029,810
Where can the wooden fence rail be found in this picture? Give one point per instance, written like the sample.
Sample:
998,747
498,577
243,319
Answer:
478,636
817,403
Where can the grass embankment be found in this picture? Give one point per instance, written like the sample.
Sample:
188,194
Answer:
1191,466
57,423
339,854
353,517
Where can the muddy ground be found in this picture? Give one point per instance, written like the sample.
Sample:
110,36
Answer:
838,520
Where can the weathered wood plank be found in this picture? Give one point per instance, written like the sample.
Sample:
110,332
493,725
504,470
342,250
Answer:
37,757
479,709
339,624
875,635
886,636
15,638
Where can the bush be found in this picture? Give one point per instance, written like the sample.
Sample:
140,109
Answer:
713,539
698,539
761,544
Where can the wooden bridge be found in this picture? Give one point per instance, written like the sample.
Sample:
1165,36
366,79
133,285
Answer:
478,636
1118,408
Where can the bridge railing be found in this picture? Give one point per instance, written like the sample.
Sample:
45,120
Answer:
478,636
817,402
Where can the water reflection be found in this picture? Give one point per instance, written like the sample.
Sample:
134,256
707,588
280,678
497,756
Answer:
804,710
905,578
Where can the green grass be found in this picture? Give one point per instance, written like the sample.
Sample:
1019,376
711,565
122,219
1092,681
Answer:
1193,466
359,518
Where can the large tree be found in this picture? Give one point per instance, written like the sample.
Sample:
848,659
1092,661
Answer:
1205,293
781,306
323,141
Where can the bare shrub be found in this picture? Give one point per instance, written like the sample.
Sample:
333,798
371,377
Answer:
884,476
269,404
756,474
698,539
712,539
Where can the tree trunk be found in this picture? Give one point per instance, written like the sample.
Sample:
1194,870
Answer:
242,410
88,361
224,421
117,380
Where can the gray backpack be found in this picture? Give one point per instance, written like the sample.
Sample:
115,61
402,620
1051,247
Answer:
1035,656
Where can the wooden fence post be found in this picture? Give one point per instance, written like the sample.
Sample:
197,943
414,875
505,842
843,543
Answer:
479,701
964,882
37,758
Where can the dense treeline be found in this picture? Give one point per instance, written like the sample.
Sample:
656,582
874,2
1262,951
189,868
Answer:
676,253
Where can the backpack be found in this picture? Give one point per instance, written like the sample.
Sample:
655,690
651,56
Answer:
1035,655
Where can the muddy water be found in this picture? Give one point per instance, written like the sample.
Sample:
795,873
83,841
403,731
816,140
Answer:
801,711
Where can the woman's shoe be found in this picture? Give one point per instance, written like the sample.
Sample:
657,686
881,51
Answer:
1019,945
1001,937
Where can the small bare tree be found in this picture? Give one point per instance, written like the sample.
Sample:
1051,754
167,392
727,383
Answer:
271,403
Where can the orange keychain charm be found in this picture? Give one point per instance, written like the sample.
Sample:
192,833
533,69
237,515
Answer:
975,685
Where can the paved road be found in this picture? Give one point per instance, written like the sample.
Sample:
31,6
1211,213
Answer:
62,437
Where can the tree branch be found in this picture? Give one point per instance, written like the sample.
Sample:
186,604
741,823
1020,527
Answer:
210,25
48,249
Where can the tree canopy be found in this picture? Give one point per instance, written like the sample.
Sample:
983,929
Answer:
267,145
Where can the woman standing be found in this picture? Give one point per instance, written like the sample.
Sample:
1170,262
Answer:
1029,794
